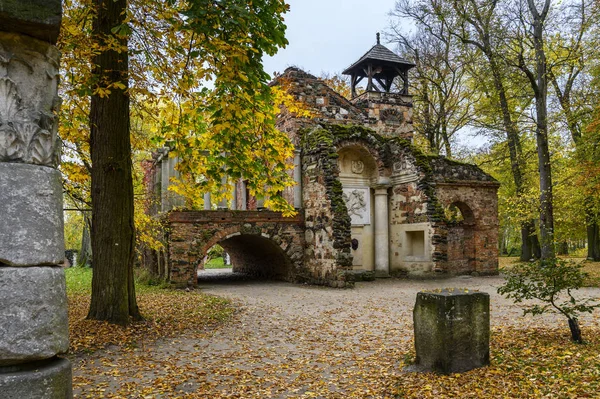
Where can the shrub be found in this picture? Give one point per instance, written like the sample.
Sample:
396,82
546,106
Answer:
550,282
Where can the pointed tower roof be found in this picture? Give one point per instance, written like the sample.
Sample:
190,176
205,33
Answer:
380,66
378,54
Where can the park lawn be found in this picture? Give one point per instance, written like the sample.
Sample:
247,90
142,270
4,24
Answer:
167,313
592,268
216,263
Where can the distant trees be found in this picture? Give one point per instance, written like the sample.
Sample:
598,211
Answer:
529,65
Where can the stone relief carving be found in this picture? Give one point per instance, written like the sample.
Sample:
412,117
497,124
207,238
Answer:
358,203
357,167
28,103
391,115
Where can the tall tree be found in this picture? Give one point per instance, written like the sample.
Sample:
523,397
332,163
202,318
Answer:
538,79
573,55
443,100
113,234
478,24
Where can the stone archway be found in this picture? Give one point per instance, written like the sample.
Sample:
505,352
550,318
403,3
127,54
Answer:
261,243
461,238
257,256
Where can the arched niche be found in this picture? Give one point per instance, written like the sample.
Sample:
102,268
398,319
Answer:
358,174
461,238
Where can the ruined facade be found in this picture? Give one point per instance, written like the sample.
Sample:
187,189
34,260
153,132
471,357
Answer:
368,200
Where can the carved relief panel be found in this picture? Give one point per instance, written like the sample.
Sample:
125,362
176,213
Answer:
358,202
28,101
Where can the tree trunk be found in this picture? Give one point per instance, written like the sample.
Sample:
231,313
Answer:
563,248
593,236
113,238
529,240
530,245
575,330
85,252
541,132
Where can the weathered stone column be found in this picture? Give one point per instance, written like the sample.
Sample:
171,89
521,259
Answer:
382,239
207,204
452,330
223,203
234,197
33,315
298,180
244,196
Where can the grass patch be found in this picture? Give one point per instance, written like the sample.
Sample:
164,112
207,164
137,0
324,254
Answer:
533,363
167,313
216,263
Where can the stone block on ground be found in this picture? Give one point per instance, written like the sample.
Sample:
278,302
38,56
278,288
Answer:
33,320
36,18
50,379
31,226
452,330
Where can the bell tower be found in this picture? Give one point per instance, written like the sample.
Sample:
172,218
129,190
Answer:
385,98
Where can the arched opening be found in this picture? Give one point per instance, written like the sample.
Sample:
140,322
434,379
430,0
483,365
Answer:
250,256
461,238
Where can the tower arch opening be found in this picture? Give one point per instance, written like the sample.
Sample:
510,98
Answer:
461,237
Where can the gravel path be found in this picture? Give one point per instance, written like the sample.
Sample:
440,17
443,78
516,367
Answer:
292,341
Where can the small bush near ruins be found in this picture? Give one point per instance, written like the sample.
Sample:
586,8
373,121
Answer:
550,283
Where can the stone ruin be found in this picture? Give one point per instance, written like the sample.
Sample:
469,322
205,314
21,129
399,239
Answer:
368,200
33,318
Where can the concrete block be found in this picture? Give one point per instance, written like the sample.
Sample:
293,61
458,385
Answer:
452,330
36,18
50,379
33,316
31,215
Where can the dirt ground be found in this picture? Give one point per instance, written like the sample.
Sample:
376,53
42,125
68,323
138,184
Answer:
288,341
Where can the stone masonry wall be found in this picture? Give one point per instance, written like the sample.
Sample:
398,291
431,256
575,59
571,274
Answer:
482,200
328,230
192,233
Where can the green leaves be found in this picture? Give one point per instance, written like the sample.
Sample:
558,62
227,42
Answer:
551,282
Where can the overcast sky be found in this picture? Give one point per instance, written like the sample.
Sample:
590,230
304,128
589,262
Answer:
329,35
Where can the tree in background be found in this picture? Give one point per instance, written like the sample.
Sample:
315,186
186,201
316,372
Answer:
443,102
477,25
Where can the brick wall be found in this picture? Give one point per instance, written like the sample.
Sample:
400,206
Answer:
257,241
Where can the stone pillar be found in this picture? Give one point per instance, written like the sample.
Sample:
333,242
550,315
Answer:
298,180
164,181
234,197
244,196
452,330
207,204
33,320
223,202
382,240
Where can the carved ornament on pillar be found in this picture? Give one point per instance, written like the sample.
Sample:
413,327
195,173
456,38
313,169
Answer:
28,101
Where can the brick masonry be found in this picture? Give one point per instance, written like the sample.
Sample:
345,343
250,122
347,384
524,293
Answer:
259,242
